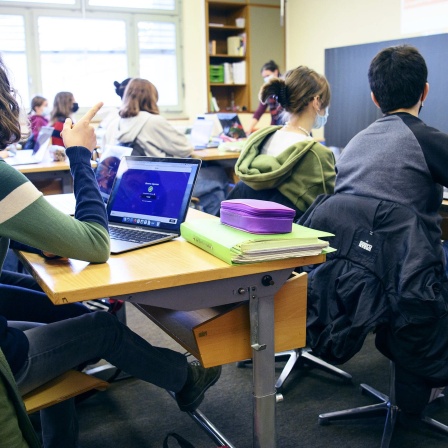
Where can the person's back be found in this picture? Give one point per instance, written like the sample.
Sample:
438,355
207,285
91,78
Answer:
398,158
284,163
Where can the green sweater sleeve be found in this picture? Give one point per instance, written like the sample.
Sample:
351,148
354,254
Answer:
28,218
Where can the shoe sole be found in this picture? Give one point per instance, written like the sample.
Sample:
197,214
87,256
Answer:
191,407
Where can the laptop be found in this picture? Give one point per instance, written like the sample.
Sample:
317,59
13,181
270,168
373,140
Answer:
149,200
201,133
36,155
231,125
107,168
445,193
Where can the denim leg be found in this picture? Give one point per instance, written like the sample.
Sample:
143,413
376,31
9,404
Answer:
22,299
60,346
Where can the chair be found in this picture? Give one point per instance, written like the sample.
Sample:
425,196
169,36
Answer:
15,426
294,357
387,405
387,275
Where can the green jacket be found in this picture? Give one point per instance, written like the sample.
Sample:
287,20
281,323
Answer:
16,430
301,172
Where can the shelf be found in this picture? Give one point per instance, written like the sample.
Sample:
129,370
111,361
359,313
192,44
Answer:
227,28
221,84
227,56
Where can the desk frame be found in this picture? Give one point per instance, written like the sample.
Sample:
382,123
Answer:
259,290
185,278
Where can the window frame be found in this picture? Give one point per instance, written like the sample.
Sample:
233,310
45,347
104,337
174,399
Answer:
131,17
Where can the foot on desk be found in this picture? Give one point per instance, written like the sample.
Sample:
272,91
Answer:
198,381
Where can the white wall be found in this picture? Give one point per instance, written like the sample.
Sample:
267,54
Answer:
313,26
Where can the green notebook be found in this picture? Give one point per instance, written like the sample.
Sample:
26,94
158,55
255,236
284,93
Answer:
236,246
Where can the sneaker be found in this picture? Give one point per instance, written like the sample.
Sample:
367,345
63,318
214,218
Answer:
198,381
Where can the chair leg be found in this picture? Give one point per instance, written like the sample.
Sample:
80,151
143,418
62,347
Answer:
387,405
294,356
306,353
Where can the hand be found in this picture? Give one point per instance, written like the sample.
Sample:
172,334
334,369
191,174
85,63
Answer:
82,133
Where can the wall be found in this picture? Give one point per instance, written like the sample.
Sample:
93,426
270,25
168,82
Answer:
313,26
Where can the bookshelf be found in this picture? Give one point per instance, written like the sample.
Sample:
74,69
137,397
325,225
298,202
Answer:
264,40
227,32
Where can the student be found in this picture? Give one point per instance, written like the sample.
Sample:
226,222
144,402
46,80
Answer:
268,71
285,164
38,118
141,127
64,106
400,159
38,353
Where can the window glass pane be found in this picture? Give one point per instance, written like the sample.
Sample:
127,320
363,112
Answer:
85,64
146,4
158,62
12,38
53,2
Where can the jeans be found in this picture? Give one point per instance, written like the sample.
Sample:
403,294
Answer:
21,298
61,346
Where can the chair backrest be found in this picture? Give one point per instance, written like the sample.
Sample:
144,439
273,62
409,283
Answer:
382,273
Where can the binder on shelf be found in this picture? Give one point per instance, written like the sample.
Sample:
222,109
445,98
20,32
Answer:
228,73
237,247
239,72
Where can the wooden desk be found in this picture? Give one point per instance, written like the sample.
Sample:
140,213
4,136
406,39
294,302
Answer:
179,276
48,176
214,154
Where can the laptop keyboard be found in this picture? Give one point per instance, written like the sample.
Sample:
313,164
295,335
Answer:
134,236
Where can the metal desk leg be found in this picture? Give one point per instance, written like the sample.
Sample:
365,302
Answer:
262,340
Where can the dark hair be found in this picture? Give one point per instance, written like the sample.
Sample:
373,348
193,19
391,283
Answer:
139,95
397,77
62,106
10,131
300,86
271,66
121,86
37,101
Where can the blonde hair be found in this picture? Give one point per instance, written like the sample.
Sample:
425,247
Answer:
139,95
300,86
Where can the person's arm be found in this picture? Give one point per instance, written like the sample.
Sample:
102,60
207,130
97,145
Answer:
28,218
261,109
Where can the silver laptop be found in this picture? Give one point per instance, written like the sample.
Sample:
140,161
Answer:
201,133
149,200
36,155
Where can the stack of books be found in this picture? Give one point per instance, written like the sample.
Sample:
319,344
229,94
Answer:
236,246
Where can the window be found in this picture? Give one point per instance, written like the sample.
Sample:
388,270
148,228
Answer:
48,49
12,37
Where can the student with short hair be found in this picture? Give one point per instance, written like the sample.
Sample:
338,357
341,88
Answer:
400,159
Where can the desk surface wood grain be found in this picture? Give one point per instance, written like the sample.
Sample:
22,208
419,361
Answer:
169,264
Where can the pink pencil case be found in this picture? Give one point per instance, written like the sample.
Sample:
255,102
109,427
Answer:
255,216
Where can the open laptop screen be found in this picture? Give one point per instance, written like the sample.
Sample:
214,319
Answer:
152,192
